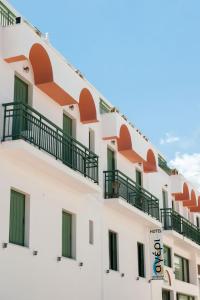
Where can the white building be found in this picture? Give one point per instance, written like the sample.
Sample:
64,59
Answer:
81,188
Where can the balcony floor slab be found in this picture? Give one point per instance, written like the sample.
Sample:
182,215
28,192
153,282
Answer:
20,150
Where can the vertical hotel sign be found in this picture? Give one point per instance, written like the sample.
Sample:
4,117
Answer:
156,247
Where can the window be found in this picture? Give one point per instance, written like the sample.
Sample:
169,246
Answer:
138,177
167,256
104,107
67,235
181,268
165,198
110,160
91,232
17,218
173,205
198,269
113,250
91,140
184,297
165,295
141,266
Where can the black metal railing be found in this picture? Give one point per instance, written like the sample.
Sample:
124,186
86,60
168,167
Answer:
6,16
23,122
163,165
118,184
172,220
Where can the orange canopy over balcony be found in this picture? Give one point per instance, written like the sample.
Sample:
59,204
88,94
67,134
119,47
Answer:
196,208
87,107
125,147
43,74
184,195
149,165
192,201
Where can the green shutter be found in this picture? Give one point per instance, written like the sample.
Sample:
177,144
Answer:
17,218
67,125
66,235
110,160
67,143
20,91
20,95
138,178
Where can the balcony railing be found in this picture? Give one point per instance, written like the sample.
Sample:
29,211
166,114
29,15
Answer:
118,184
6,16
23,122
172,220
163,165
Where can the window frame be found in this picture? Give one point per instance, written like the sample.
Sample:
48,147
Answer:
72,234
113,255
141,258
185,273
169,256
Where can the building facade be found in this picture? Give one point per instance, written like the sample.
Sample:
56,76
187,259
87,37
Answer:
81,188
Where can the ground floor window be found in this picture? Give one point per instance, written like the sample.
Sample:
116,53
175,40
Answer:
141,262
181,268
67,235
166,295
17,218
113,250
184,297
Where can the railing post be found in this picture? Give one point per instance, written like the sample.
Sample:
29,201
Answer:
40,123
56,133
85,163
20,120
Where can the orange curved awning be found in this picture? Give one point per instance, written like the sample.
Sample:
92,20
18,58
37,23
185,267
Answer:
124,144
192,201
43,74
149,165
196,208
184,195
87,107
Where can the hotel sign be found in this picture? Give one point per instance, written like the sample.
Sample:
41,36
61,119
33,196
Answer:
156,248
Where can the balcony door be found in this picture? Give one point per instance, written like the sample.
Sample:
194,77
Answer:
20,96
112,184
137,198
110,160
20,91
68,145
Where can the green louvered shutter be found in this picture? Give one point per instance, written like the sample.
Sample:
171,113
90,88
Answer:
138,178
67,144
66,235
20,95
110,160
20,91
17,218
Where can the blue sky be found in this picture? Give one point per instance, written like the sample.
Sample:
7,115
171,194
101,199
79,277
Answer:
144,56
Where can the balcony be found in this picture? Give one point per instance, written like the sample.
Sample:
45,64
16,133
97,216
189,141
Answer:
6,16
118,185
163,165
23,122
172,220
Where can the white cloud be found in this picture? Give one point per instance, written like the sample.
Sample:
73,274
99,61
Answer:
189,166
169,139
